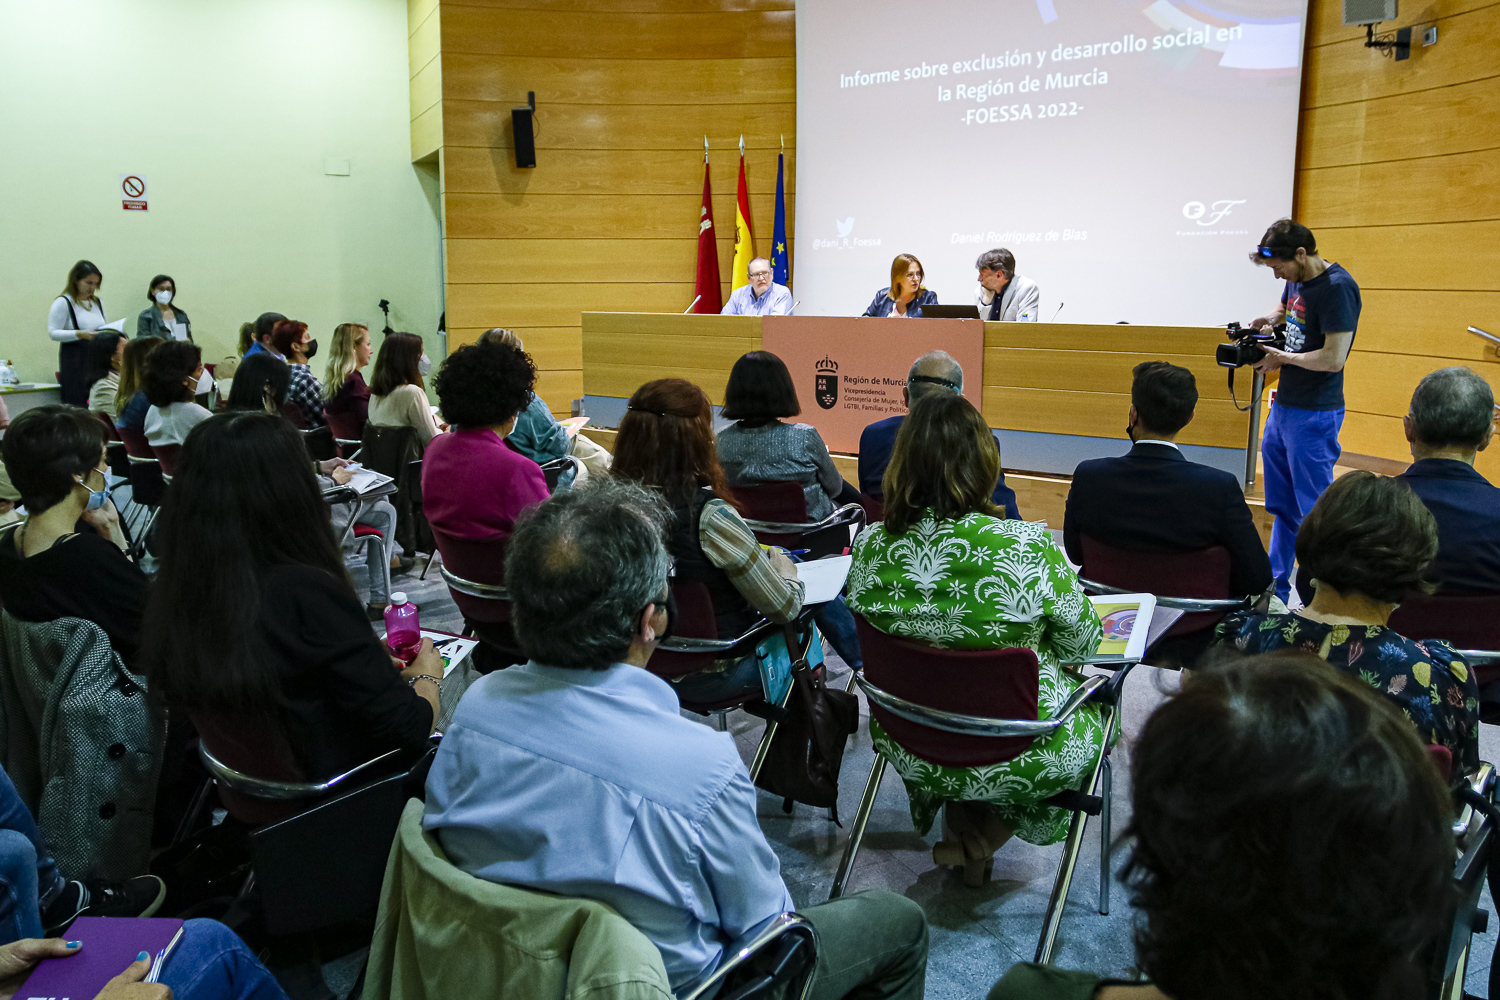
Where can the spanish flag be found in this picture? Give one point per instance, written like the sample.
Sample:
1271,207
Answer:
744,237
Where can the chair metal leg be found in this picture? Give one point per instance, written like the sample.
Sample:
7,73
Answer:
430,557
1046,945
861,820
1106,786
759,760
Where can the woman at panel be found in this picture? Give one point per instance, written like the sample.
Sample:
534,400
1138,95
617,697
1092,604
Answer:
1291,839
346,398
906,296
475,482
76,315
163,318
666,441
131,404
106,356
68,558
1367,543
272,650
947,569
398,396
292,340
174,375
260,385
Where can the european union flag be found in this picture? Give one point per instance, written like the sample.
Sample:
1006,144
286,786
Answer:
780,266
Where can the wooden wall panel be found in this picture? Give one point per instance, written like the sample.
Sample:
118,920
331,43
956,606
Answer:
626,91
1399,177
425,72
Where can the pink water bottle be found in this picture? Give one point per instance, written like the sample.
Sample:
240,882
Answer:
402,633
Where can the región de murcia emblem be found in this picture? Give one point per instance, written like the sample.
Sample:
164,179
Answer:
827,393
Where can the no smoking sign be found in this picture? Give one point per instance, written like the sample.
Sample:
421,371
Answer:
133,192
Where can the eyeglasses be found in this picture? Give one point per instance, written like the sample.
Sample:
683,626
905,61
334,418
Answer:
914,275
760,274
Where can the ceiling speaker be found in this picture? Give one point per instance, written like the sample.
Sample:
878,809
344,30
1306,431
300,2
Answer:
1368,11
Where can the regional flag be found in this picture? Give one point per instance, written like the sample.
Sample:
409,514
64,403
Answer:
744,239
707,288
781,268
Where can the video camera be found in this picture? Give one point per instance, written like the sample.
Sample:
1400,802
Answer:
1248,346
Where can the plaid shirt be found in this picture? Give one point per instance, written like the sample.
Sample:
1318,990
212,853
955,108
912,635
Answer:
729,544
306,393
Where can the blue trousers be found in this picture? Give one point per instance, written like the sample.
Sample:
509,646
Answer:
27,872
212,963
1299,450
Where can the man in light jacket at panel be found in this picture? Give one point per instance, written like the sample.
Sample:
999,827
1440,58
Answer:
1003,294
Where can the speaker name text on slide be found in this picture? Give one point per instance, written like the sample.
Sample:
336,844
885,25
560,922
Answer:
1129,152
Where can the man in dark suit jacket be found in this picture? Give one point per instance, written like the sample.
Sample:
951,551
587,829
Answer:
935,371
1153,499
1452,419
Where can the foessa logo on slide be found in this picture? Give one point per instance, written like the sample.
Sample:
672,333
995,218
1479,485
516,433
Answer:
845,240
1206,217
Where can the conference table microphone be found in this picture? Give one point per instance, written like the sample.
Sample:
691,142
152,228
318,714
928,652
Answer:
1059,309
690,306
794,307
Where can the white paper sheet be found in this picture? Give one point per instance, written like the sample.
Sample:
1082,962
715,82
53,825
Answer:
822,579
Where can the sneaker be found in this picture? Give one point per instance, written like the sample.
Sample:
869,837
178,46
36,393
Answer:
138,897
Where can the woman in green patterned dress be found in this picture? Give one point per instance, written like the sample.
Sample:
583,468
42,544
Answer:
946,568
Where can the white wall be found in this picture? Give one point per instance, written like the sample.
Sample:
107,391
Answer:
230,108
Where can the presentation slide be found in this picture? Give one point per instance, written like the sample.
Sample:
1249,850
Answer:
1129,153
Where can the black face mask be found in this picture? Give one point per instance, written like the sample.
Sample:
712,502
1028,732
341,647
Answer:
310,348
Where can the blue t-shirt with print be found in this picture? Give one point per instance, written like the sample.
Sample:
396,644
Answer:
1328,303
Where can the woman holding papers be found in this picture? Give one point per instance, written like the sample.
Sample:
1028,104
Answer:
666,441
76,315
906,296
164,318
945,568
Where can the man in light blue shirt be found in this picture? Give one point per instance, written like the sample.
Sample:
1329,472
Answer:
762,297
580,777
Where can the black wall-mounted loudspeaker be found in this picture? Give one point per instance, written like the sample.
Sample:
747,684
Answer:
521,128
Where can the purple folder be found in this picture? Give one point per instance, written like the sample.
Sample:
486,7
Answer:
110,944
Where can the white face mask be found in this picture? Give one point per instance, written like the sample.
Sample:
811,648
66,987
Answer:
163,297
205,384
425,364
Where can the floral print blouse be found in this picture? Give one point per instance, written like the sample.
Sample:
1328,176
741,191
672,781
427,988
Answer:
1427,679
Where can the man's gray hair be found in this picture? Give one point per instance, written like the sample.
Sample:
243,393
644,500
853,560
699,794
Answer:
933,364
754,259
1452,407
999,259
580,570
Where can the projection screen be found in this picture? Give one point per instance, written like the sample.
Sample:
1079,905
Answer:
1130,153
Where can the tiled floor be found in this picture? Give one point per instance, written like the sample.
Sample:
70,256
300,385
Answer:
976,934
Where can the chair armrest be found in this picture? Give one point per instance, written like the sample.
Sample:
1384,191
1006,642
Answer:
763,935
1482,782
974,725
850,513
488,591
687,644
1180,603
1479,657
265,788
340,494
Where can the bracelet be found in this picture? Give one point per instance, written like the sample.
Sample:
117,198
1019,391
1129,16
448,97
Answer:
411,682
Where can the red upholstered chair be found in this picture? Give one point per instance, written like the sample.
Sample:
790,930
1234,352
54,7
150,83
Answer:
1468,622
1196,581
166,454
474,570
347,432
968,708
777,513
136,444
874,509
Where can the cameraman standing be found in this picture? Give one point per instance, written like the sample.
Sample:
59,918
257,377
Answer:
1320,305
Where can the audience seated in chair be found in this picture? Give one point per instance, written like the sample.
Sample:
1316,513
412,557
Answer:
1452,419
1366,544
1290,838
106,354
946,567
475,483
762,448
264,324
666,442
292,340
252,621
575,773
536,433
935,371
398,394
171,381
260,384
131,404
346,398
1153,499
68,559
36,898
